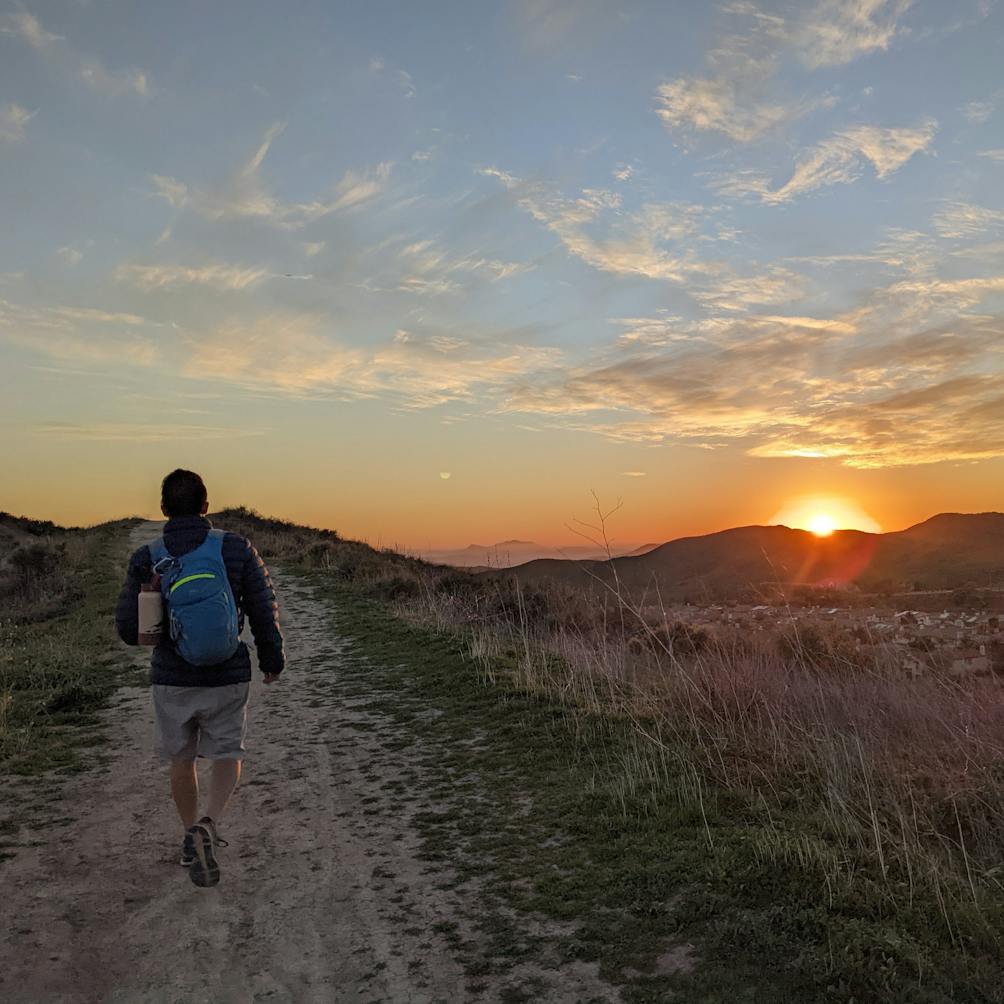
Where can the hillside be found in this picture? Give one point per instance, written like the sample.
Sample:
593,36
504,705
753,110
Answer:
508,553
944,552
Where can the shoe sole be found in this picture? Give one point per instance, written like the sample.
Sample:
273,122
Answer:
204,871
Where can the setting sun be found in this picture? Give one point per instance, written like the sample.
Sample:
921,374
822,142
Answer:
823,514
822,525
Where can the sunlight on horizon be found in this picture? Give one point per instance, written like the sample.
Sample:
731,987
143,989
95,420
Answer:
822,515
822,525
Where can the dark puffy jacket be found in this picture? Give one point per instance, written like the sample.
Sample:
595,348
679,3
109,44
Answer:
252,587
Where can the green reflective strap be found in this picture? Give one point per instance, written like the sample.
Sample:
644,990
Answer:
189,578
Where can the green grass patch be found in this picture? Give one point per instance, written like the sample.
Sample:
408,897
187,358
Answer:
534,801
58,669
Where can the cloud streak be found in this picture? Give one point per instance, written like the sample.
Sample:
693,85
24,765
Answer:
231,277
839,160
89,69
245,196
13,119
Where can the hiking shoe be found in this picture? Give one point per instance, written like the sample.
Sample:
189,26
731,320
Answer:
187,851
205,870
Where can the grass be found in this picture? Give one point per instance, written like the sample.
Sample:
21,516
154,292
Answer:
60,659
547,807
842,820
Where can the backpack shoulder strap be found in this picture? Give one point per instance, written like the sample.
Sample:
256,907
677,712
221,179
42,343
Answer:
217,537
158,550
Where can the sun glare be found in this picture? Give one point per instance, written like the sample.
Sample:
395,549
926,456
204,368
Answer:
822,525
822,515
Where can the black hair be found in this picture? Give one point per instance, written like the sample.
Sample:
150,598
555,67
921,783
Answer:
182,493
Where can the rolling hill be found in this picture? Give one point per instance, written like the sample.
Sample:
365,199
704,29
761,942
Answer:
944,552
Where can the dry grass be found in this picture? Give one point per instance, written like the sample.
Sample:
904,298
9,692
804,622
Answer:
900,777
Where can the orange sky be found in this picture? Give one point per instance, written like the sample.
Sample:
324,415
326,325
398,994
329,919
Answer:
504,483
708,259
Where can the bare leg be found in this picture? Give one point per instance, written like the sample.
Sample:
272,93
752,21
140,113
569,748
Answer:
185,789
223,778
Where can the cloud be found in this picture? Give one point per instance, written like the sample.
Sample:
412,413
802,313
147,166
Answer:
28,27
552,25
13,119
90,69
293,354
140,432
634,244
234,277
993,154
740,96
244,194
84,334
431,270
963,219
836,32
634,474
114,83
732,101
776,285
839,160
70,255
863,388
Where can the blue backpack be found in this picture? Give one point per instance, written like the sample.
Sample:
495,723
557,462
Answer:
202,611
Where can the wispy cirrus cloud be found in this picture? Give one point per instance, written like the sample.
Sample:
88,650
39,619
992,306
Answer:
958,219
295,354
244,194
873,387
635,243
81,334
91,70
28,27
836,32
143,432
431,269
732,100
740,96
839,160
13,119
220,276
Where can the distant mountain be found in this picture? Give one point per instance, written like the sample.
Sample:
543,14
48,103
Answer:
946,551
507,553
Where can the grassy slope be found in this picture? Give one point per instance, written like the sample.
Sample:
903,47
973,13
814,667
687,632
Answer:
56,672
536,799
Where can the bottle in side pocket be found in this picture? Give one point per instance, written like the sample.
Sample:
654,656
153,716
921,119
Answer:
151,613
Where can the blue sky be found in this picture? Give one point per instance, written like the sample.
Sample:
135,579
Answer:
543,246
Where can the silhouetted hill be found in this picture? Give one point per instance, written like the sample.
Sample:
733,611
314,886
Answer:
944,552
508,553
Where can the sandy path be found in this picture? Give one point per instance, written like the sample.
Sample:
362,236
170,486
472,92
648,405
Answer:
99,909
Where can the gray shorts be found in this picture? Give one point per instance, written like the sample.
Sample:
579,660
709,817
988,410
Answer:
201,721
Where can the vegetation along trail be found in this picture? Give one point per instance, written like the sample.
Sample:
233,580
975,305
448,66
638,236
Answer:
327,893
441,813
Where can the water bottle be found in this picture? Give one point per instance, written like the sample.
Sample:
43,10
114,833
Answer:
151,612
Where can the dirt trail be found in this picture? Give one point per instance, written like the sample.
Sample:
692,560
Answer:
320,899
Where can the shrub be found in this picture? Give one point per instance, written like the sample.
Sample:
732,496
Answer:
395,588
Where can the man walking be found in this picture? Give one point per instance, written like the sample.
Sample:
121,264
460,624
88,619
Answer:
201,710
